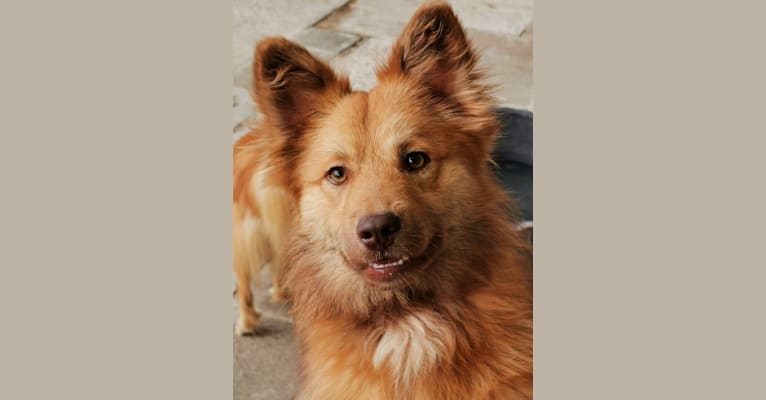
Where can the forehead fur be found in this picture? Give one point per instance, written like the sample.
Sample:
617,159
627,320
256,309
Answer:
395,112
342,129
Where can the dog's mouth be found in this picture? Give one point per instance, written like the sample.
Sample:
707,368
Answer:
386,269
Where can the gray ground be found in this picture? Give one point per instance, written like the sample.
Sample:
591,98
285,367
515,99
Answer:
354,36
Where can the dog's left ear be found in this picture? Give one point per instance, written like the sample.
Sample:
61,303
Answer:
433,50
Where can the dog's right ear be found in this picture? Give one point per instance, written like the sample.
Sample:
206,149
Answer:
291,85
434,52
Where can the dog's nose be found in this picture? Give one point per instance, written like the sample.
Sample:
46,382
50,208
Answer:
377,231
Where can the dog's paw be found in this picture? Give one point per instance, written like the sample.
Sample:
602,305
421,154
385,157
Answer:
245,327
247,323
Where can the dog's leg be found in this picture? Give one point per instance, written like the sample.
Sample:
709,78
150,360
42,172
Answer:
248,317
277,291
276,205
278,295
243,253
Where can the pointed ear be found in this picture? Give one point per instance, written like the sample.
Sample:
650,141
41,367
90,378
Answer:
434,52
291,85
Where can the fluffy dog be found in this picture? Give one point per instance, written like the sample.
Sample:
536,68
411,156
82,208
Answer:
407,276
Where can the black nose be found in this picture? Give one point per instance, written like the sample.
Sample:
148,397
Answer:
377,231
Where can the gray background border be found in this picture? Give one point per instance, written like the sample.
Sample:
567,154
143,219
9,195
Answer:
115,274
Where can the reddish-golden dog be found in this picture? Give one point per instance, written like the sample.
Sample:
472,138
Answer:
407,276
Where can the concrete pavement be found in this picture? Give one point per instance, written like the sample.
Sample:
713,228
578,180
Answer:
354,36
264,364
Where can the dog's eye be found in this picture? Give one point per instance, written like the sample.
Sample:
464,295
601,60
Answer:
415,160
336,175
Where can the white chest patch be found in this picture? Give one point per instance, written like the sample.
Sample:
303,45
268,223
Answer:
412,345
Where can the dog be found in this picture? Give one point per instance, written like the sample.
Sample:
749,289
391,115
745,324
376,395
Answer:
399,252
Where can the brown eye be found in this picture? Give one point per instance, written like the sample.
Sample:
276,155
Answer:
336,175
415,160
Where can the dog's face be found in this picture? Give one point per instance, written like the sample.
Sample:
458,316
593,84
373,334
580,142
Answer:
377,182
384,178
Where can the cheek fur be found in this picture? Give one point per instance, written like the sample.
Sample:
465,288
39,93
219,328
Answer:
458,195
316,214
325,216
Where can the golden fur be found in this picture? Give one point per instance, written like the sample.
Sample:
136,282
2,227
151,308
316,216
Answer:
456,321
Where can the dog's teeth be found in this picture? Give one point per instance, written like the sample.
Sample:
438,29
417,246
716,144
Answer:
391,264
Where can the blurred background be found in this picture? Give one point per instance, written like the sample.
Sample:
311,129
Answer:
355,36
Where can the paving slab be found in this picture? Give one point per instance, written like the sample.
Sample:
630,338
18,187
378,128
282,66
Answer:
244,114
356,36
509,64
325,44
254,20
500,30
388,18
265,363
361,61
507,18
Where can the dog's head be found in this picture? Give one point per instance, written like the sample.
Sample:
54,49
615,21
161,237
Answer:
388,180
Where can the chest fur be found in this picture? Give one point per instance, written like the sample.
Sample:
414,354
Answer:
395,360
411,347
